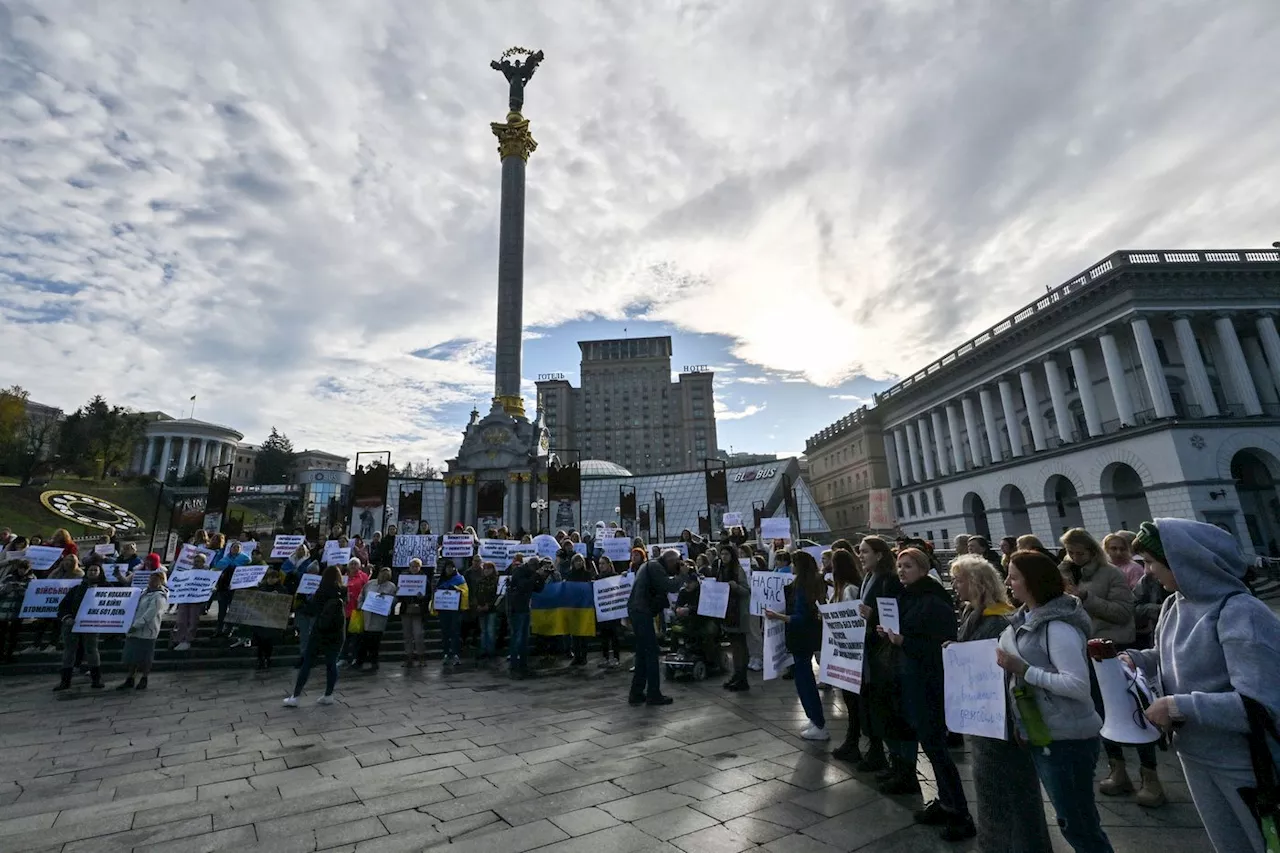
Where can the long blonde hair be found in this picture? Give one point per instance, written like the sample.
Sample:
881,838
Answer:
985,585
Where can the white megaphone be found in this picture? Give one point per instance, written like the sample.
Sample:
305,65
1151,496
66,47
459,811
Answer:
1123,720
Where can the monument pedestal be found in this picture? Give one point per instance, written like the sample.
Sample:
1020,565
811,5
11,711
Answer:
498,472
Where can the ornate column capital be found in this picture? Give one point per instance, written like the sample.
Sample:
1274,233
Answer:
514,138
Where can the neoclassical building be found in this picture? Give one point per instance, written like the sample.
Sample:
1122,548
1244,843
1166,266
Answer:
1146,386
181,445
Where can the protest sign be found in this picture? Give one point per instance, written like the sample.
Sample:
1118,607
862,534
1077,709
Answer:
42,598
447,599
105,549
261,609
655,551
843,633
334,555
460,545
42,557
412,584
284,546
525,552
248,547
409,546
114,572
107,610
713,600
495,551
611,596
580,548
247,577
617,549
186,557
193,586
973,689
745,563
768,590
776,656
170,545
376,602
815,551
731,519
546,546
308,584
6,556
141,578
502,585
775,528
888,610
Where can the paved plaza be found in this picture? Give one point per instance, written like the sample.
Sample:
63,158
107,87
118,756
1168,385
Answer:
470,762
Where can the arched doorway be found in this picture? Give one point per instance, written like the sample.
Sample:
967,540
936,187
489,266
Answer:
975,516
1064,504
1123,497
1256,474
1013,505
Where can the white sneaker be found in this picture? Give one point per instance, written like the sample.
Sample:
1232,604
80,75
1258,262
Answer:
291,701
815,733
326,700
755,665
182,647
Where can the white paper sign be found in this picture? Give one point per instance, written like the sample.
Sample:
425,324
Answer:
415,545
334,555
247,577
377,602
284,546
775,528
42,598
768,590
713,600
815,551
502,585
844,632
495,551
104,549
247,548
411,584
308,583
186,557
656,550
524,552
42,557
617,549
776,656
142,578
580,548
546,546
115,572
107,610
447,599
888,610
458,545
731,519
973,686
193,586
611,596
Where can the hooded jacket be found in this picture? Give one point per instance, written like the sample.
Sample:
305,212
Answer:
150,612
1051,639
1108,600
927,618
1214,642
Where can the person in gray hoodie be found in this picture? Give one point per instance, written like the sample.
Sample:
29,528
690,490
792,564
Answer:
1214,644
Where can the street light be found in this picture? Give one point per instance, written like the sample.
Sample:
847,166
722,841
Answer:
539,506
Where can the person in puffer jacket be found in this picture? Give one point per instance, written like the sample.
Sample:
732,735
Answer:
140,640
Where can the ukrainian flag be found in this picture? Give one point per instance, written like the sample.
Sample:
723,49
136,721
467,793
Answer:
566,608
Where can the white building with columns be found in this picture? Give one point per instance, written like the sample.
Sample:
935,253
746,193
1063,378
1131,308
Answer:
1147,386
181,445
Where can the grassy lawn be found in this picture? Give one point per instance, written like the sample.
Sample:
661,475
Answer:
21,510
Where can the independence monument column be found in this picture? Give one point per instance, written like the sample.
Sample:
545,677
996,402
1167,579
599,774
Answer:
515,144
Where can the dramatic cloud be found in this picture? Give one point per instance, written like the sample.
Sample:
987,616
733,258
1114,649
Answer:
291,208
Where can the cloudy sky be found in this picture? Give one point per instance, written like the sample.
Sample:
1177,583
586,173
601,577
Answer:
290,208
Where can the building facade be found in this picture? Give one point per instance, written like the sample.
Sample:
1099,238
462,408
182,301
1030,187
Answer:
846,461
1147,386
175,446
628,410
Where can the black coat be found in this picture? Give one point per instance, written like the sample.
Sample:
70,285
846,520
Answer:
524,582
328,605
70,604
927,619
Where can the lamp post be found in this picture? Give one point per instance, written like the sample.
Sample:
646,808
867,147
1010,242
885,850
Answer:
539,507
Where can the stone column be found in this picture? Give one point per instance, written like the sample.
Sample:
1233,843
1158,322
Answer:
1161,400
913,450
515,144
900,445
1080,364
926,449
1011,423
1258,369
1115,378
1058,396
165,455
1237,367
1270,341
1034,417
939,446
182,456
989,421
469,501
228,453
971,429
891,459
1197,376
149,454
957,452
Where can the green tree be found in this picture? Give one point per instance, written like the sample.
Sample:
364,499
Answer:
13,414
27,439
98,437
275,460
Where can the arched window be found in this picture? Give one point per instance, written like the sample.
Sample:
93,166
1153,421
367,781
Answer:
897,502
937,502
911,505
924,503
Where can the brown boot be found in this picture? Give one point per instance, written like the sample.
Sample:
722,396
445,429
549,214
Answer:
1152,794
1117,781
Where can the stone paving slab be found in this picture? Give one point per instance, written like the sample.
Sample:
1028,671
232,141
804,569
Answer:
467,762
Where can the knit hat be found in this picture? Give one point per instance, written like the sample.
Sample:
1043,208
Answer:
1148,541
152,561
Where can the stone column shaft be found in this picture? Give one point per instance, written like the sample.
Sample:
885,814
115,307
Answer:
1034,417
149,454
1270,341
1237,367
891,459
1152,370
939,446
1258,369
1115,378
971,429
926,448
1011,423
1080,364
1197,376
183,453
913,448
953,424
989,422
1058,396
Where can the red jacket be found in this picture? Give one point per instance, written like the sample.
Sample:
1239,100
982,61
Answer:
355,583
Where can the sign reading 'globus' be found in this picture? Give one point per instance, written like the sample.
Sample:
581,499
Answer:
90,511
758,474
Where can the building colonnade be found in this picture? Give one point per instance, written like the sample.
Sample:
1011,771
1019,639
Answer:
160,452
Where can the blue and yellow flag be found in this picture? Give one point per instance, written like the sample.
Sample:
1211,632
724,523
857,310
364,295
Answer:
566,608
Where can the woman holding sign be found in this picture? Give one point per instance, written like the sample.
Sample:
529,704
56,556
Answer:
880,701
846,579
804,637
67,609
413,589
325,640
737,616
14,581
374,623
140,641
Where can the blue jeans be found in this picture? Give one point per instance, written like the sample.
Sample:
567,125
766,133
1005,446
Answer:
1066,768
647,680
518,643
451,632
807,690
488,633
330,670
